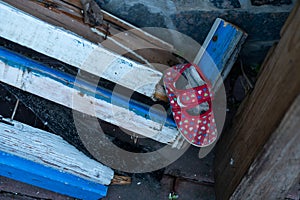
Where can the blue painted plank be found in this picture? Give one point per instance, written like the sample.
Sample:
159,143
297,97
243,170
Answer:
29,172
221,43
222,46
84,87
216,50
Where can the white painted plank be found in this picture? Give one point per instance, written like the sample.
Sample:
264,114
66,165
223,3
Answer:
67,47
51,150
62,94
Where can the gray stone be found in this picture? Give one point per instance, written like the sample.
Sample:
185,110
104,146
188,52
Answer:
194,18
270,2
226,4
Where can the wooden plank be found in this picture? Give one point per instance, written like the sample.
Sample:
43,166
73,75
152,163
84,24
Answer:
276,88
121,24
45,160
219,51
85,97
20,169
217,55
222,46
153,88
215,59
69,16
21,28
276,170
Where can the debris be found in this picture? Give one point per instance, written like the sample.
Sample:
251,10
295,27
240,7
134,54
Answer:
92,13
173,196
15,110
35,157
231,161
121,180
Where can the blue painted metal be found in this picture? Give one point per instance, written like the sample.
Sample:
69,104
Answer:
29,172
21,62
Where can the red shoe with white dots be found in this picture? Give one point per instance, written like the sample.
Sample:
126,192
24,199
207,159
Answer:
191,107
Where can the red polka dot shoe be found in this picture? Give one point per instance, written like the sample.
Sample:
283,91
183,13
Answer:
191,107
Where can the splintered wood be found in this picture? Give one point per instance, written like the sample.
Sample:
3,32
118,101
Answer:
52,151
65,46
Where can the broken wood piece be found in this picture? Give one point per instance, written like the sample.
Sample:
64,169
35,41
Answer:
149,90
85,97
216,56
121,180
221,48
219,51
215,59
92,13
45,160
120,23
68,15
67,47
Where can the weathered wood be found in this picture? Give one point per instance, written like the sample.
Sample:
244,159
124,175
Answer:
45,160
21,28
20,169
275,171
217,55
68,15
121,180
219,51
85,97
69,12
126,26
276,88
215,65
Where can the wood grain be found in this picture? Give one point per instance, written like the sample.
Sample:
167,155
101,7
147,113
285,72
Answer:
258,117
44,160
275,171
68,14
67,47
84,97
52,151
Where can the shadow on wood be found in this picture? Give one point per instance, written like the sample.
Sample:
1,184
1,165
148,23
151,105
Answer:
260,114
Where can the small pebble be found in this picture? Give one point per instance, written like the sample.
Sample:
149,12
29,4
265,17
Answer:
231,161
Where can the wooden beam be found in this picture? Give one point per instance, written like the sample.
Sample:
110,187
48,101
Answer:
45,160
276,170
217,55
220,51
85,97
215,59
258,117
68,15
167,135
65,46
